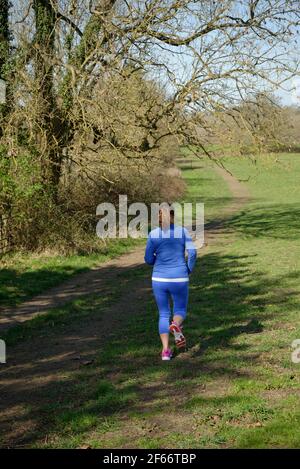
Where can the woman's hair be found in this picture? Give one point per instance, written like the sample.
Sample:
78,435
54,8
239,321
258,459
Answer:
166,216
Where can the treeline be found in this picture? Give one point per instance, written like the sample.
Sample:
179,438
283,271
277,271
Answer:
259,125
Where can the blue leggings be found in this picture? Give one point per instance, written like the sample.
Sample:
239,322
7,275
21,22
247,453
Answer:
163,292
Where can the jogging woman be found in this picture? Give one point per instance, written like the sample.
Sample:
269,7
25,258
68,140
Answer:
165,250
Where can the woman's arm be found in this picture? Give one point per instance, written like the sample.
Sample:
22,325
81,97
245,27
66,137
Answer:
150,255
192,251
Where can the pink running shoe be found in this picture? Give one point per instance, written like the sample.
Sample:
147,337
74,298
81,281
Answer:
166,354
176,330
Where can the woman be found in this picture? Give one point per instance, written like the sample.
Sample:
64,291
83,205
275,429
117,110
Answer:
165,250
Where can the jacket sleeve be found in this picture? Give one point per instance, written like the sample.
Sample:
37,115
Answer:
192,251
150,255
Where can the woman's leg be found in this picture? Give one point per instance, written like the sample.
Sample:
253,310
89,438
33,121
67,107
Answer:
180,296
178,319
179,293
165,341
162,300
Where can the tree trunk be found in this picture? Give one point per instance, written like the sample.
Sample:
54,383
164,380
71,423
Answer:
4,52
49,128
5,201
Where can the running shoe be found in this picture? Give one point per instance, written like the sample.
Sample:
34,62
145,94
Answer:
166,354
176,330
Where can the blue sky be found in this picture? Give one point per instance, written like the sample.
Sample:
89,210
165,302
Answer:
289,98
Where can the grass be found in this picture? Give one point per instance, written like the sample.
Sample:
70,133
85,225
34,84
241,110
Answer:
237,386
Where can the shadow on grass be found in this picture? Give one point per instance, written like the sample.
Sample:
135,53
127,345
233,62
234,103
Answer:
126,376
31,278
274,221
16,286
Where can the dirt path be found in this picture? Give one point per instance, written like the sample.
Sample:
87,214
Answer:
79,285
29,379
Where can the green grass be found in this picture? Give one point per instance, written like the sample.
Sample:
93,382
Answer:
237,387
23,275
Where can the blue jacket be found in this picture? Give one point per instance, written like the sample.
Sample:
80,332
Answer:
165,250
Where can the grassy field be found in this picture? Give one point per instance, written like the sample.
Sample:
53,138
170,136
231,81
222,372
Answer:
236,387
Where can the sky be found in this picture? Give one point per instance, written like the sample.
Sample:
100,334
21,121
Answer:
290,98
